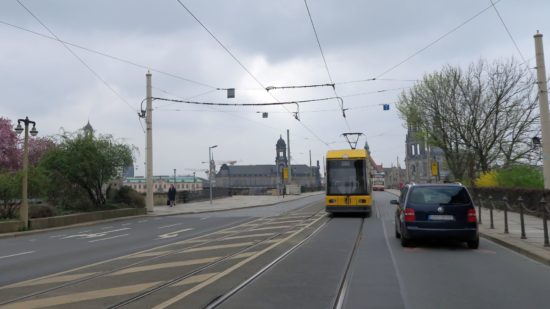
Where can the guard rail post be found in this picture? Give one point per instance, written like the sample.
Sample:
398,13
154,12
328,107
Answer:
492,204
479,208
521,219
544,223
505,202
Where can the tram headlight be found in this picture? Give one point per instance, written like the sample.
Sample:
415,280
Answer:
362,201
332,201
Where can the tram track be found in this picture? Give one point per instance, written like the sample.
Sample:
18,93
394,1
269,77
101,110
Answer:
348,272
195,243
338,301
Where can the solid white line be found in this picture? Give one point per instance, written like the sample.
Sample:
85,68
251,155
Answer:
57,236
400,282
107,227
108,238
22,253
162,227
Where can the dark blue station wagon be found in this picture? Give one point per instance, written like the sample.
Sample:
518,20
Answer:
436,211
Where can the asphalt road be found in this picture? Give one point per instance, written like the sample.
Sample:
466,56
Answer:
31,256
385,275
382,274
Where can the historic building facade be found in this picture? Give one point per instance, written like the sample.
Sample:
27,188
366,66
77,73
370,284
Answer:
162,183
420,157
265,177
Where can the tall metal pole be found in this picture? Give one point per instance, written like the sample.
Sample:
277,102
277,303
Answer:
289,157
24,210
543,104
310,170
149,145
210,172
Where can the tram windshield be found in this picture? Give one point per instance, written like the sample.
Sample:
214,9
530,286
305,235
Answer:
346,177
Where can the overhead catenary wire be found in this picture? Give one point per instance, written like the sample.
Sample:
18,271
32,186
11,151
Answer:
119,59
525,62
243,104
326,65
436,40
79,59
300,86
247,71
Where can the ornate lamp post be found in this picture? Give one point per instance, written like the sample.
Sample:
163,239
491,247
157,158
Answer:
24,208
210,170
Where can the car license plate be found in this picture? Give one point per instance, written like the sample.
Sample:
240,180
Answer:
441,217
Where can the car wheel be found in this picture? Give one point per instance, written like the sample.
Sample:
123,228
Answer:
405,241
473,244
397,235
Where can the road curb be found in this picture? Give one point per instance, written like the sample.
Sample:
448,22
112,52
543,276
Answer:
228,209
519,249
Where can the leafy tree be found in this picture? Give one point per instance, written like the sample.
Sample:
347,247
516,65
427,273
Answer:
520,176
11,161
86,162
480,117
488,179
9,154
10,190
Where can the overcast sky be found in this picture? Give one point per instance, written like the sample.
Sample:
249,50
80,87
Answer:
273,40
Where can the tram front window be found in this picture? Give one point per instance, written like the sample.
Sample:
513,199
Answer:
346,177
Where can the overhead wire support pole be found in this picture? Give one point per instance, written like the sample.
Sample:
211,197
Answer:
149,201
543,103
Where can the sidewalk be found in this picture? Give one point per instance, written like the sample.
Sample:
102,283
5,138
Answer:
532,246
228,203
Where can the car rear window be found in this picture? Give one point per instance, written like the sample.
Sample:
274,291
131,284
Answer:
439,195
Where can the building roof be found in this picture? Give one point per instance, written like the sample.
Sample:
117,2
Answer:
264,169
281,143
170,179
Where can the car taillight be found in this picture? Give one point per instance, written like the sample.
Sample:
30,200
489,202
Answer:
409,215
472,215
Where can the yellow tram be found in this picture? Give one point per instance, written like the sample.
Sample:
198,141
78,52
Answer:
347,182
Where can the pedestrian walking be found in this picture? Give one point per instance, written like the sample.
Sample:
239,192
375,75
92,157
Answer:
172,195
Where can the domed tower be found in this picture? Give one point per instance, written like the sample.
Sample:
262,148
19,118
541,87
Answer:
88,129
280,147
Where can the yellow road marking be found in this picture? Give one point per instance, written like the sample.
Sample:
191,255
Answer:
271,228
244,255
195,279
248,236
77,297
214,278
55,279
164,265
147,254
242,244
285,222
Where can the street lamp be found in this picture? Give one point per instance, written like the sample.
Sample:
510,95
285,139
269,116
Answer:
24,209
210,170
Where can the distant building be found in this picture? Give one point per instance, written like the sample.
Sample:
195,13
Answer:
265,177
419,158
128,171
162,183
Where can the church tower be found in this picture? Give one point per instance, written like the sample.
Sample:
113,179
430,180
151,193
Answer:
280,158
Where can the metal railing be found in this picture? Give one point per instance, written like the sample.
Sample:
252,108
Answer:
521,206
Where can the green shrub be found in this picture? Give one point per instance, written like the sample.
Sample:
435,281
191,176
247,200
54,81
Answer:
520,176
128,196
41,211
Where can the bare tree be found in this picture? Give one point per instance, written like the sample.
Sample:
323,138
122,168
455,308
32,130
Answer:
484,115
